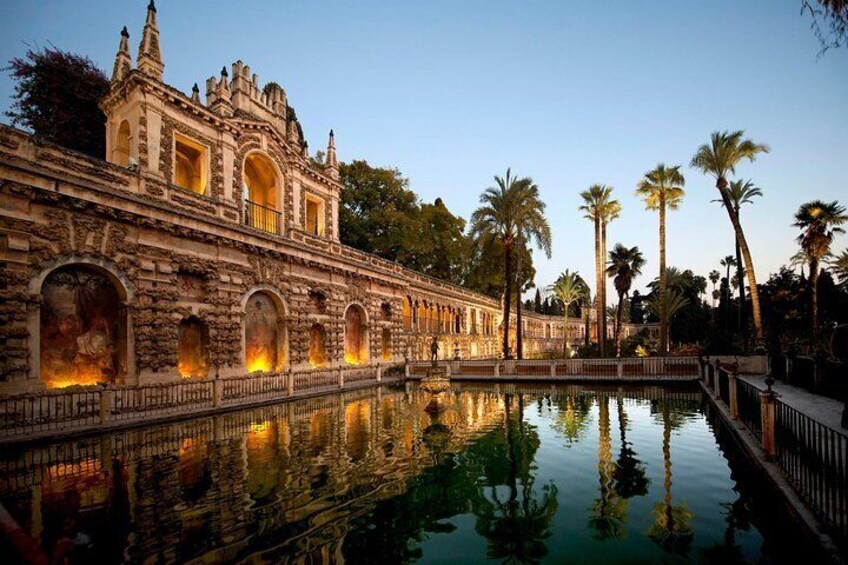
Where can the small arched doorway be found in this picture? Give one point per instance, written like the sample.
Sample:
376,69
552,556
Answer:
193,353
121,150
356,335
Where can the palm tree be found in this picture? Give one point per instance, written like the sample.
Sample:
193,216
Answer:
499,218
625,264
741,193
569,288
600,208
719,158
671,304
728,261
819,222
839,264
715,276
531,226
661,189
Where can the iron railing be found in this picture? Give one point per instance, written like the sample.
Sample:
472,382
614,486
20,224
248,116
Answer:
813,456
261,217
749,407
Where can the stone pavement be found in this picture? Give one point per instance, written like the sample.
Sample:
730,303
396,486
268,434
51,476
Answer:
824,410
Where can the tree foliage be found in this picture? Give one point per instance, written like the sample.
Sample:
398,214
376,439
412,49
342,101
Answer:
830,21
57,95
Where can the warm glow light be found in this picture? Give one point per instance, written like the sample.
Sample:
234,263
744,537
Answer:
75,376
259,360
352,359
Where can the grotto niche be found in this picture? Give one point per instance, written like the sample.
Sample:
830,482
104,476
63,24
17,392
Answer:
386,350
264,335
193,348
82,328
356,336
317,346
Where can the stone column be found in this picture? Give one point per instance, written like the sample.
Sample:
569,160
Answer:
767,414
290,383
732,402
106,397
217,392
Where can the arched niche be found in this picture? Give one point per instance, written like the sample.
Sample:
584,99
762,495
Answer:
193,348
121,147
262,182
82,327
407,313
355,335
265,332
317,346
386,345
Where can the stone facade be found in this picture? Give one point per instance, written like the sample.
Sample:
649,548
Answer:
196,209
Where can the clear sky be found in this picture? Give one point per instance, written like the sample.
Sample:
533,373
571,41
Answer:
570,93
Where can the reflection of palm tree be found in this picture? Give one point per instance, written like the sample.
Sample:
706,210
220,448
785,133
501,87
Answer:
609,510
727,550
573,416
517,527
672,527
629,473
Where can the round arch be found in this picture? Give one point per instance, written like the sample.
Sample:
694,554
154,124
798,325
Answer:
265,336
263,190
80,331
356,344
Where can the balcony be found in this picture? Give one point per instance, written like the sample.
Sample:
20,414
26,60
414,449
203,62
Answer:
261,217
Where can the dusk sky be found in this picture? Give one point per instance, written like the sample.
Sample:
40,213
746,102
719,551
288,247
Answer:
452,93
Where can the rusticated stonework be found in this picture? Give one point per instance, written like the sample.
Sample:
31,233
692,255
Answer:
176,258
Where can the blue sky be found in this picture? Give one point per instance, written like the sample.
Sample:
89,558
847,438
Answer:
571,94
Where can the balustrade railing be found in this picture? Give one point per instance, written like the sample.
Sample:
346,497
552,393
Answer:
813,456
264,386
261,217
170,398
48,413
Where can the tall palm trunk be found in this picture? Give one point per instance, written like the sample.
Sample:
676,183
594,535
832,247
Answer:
741,314
728,296
663,316
585,310
721,184
599,284
814,295
742,311
507,295
618,326
519,334
604,285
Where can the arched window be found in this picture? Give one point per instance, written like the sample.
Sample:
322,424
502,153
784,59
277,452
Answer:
407,314
83,328
317,346
190,167
386,349
193,354
356,335
262,203
265,334
121,149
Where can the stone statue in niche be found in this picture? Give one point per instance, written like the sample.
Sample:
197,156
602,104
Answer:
80,328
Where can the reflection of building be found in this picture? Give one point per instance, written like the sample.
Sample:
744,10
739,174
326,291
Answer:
295,474
207,243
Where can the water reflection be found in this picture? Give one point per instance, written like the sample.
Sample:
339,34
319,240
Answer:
512,474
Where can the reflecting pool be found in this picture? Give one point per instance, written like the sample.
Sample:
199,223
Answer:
506,473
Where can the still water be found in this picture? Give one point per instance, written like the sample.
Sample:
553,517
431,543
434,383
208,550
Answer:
505,473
